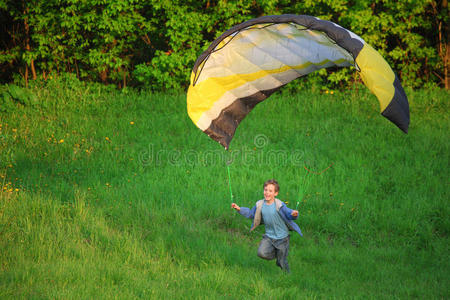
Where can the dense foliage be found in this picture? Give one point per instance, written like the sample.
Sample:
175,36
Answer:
154,43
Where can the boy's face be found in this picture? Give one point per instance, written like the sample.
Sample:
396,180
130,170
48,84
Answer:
269,192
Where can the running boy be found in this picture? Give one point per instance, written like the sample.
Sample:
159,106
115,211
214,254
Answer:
278,220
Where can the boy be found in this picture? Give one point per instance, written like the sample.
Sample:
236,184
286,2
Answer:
278,220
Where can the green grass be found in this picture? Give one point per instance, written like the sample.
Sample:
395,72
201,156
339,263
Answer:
115,194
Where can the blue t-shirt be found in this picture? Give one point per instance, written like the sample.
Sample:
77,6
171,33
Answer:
275,226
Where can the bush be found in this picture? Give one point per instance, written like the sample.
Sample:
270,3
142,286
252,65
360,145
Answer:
154,44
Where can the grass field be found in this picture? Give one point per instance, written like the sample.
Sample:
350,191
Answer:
111,194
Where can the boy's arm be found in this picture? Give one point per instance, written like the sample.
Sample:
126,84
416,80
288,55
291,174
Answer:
245,211
290,214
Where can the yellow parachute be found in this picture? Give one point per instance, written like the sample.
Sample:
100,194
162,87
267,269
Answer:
250,61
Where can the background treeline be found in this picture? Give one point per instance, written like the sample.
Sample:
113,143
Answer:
154,43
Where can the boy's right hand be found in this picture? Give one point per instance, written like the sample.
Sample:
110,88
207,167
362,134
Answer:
235,206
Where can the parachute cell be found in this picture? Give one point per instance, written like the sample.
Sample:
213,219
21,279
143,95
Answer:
250,61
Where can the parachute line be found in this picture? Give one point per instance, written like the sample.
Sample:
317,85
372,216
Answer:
318,173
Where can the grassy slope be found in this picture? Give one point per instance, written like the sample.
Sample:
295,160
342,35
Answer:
119,195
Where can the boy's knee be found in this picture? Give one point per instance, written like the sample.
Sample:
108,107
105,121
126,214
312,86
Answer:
265,255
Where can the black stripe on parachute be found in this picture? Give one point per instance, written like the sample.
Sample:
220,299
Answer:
398,109
222,128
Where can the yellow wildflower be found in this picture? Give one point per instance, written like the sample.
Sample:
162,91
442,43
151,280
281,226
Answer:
61,141
132,123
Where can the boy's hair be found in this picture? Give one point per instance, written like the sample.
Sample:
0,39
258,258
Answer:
275,184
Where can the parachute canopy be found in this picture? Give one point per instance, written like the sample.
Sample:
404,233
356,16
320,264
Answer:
250,61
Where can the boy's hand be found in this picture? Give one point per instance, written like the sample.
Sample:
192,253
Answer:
294,213
235,206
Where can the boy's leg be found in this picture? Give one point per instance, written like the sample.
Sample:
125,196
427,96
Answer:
266,250
282,251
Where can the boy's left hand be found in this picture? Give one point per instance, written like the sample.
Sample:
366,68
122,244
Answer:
294,213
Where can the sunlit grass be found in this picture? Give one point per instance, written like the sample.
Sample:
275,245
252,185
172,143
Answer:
118,195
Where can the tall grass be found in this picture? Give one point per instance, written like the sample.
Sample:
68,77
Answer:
118,195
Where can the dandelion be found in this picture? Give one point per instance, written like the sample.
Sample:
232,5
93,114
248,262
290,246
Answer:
331,92
61,141
107,138
132,123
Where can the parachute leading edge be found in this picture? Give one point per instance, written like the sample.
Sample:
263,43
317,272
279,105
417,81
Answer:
250,61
